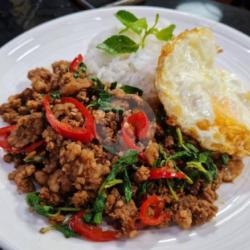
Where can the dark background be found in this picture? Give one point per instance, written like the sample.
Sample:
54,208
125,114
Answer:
17,16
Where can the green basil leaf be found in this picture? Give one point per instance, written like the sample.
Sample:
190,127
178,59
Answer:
113,85
55,95
98,208
76,74
65,230
225,159
112,183
82,67
88,217
34,159
198,166
110,149
33,199
127,187
118,44
126,17
139,26
68,209
132,90
166,34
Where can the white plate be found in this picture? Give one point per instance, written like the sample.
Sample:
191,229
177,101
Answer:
63,39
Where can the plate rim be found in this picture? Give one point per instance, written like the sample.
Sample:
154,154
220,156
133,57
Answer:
107,9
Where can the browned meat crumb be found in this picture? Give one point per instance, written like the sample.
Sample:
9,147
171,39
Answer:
60,67
21,176
29,129
201,210
41,79
80,198
71,85
184,218
41,177
142,174
152,152
122,212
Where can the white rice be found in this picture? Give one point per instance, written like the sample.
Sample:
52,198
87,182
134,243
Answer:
136,69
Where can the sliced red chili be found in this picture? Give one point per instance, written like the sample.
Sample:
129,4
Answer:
140,122
135,126
156,205
75,63
29,148
91,232
163,173
85,134
5,131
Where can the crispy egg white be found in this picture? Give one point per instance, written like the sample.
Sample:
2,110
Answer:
208,103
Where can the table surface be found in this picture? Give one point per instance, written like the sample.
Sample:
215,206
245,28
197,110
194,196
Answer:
19,16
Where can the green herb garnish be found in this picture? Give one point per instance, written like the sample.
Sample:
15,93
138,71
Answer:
127,187
55,95
225,159
118,44
82,67
113,85
109,149
103,100
121,44
129,158
34,201
65,230
132,90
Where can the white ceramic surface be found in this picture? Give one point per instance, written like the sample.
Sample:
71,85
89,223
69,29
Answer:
63,39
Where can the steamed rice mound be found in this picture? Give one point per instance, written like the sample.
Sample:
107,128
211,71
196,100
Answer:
137,69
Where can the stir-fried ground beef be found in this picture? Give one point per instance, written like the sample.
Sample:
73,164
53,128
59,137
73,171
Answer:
70,172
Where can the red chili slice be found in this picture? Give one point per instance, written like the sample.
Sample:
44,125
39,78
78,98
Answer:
75,63
158,217
85,134
29,148
163,173
91,232
5,131
136,125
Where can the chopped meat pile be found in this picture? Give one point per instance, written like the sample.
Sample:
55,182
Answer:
163,183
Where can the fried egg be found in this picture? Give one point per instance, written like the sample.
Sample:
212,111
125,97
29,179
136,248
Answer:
208,103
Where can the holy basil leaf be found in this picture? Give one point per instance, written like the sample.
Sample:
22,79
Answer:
198,166
139,26
166,33
118,44
65,230
33,199
34,159
110,149
225,159
127,187
113,85
82,67
98,208
126,17
129,158
113,183
132,90
55,95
